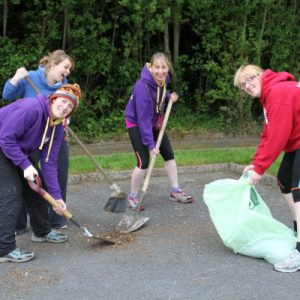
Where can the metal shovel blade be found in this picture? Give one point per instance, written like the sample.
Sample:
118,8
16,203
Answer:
89,235
131,223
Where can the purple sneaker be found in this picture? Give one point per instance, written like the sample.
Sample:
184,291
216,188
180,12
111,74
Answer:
133,203
180,196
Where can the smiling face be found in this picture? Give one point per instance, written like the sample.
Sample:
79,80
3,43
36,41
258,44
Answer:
248,78
159,70
251,84
61,108
58,72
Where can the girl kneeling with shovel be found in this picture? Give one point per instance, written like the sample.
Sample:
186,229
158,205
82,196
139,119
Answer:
143,121
27,125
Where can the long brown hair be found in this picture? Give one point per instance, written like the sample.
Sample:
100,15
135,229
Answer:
56,57
160,55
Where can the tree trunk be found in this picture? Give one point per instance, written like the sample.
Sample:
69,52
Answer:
263,25
167,39
295,7
5,11
43,31
65,30
114,34
245,21
177,28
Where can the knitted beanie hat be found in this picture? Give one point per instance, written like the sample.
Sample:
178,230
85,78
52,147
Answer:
71,92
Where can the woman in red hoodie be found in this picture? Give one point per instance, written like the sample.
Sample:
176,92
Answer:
279,95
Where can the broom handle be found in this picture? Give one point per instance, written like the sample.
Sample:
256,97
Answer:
84,148
33,85
88,153
153,157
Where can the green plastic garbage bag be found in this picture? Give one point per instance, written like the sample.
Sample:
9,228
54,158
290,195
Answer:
244,221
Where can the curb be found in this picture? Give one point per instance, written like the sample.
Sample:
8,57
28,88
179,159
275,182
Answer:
119,175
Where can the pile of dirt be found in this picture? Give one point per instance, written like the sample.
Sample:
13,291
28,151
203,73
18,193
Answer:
118,239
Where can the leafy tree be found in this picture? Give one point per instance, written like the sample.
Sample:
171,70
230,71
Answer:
110,40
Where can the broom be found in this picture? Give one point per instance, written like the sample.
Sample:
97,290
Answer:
117,200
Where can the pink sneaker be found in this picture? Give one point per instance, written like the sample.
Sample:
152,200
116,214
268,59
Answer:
133,203
181,196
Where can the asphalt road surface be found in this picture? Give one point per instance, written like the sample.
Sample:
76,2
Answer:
177,255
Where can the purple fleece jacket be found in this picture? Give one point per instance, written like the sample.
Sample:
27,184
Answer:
22,124
141,107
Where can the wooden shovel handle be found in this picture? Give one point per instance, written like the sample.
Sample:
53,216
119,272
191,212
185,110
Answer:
54,203
158,142
37,187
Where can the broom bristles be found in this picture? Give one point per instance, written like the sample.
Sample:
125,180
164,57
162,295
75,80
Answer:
116,203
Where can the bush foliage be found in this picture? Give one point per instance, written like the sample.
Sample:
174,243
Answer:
110,41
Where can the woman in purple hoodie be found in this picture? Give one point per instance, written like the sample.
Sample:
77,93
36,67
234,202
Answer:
27,125
144,113
51,74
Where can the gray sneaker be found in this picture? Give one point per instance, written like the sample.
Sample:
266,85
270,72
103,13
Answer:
53,236
289,264
180,196
17,255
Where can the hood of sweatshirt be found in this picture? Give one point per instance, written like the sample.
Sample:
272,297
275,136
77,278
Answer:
25,126
157,91
147,77
42,75
269,79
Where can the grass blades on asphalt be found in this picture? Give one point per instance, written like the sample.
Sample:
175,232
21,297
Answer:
127,161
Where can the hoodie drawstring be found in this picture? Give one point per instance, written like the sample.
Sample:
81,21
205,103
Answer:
159,100
44,134
50,144
56,122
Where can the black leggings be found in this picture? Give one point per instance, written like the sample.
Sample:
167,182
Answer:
142,152
288,176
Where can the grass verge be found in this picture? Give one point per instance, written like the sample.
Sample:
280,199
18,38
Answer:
126,161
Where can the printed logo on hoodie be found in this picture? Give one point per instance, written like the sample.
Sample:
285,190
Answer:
265,116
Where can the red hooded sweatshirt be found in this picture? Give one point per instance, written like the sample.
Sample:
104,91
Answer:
280,99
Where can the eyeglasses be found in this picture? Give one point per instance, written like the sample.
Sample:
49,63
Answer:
247,80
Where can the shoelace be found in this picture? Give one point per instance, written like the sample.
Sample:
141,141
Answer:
134,200
180,193
17,252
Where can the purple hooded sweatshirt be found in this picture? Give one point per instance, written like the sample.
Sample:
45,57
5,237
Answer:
141,107
22,125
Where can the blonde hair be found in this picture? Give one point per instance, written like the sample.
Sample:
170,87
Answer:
160,55
248,70
56,57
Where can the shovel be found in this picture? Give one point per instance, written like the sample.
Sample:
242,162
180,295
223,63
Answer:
116,203
37,187
132,223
